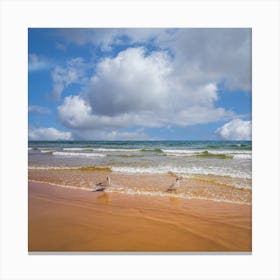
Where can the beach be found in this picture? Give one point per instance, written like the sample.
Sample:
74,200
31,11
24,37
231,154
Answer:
68,219
208,211
140,140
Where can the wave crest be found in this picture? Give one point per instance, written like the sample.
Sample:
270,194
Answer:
69,154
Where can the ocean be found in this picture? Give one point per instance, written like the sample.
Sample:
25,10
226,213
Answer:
219,170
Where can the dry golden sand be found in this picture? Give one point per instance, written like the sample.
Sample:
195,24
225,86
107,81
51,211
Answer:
62,219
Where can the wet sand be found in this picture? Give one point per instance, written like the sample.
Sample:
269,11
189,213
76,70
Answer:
62,219
209,187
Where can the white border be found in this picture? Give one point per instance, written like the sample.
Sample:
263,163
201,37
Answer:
262,16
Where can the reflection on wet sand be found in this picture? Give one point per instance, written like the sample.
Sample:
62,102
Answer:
104,197
174,201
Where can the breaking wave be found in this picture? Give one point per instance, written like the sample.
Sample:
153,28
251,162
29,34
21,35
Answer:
69,154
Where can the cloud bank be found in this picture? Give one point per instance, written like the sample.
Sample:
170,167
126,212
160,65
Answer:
50,134
137,88
236,130
204,54
143,78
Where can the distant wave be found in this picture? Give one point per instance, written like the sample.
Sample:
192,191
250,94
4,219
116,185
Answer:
103,152
144,150
222,154
69,154
231,146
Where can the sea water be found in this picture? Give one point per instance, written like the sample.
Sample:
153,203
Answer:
225,162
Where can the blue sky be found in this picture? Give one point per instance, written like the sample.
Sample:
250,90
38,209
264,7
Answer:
139,84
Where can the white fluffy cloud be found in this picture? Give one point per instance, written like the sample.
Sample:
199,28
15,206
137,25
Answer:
140,89
235,130
130,82
48,134
62,77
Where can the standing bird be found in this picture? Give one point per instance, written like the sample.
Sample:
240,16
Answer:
103,185
174,186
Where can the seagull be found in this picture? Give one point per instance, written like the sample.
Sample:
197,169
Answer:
103,185
174,186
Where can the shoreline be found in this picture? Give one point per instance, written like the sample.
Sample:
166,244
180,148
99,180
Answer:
149,194
202,187
64,219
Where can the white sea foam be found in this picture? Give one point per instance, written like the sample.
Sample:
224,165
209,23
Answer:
69,154
180,151
184,171
210,151
242,156
51,167
116,150
179,195
185,153
47,151
230,152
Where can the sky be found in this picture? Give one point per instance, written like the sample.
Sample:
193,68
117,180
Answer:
139,84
